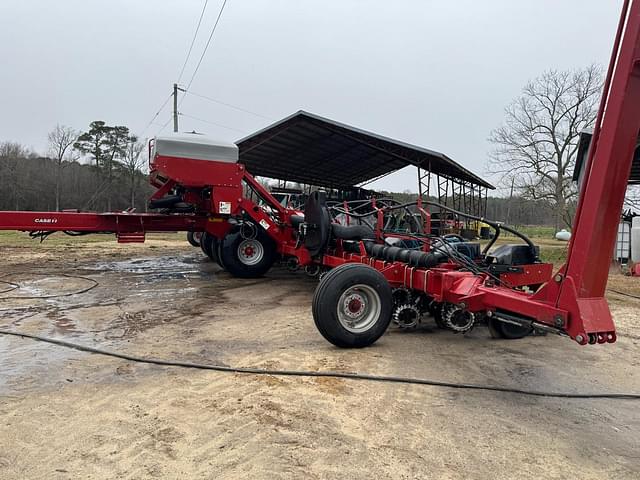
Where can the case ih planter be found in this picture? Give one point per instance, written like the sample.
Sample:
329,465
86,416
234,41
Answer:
371,274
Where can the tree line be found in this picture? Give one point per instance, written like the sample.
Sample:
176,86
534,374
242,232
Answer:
516,210
100,169
533,156
103,169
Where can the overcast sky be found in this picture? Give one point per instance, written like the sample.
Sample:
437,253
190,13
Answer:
433,73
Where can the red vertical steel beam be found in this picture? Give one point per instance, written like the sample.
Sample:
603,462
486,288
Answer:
608,168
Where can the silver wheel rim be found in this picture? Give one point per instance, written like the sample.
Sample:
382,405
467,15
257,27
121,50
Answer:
359,308
250,252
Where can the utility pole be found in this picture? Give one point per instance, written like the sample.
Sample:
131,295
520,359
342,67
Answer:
508,219
175,107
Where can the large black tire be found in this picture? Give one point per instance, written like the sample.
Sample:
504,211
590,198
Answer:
352,306
209,245
194,238
507,331
215,250
205,245
247,257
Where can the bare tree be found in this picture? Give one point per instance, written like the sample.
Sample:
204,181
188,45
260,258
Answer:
133,162
537,144
13,158
61,140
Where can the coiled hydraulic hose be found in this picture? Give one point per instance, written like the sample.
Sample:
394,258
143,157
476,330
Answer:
498,226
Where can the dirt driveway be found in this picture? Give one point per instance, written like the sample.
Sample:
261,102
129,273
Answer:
68,414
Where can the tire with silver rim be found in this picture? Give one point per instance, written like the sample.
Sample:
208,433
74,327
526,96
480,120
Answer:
352,306
247,257
358,308
250,252
194,238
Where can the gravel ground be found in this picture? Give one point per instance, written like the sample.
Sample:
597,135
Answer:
68,414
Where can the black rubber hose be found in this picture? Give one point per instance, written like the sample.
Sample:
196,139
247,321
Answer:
386,208
630,295
93,284
165,202
491,242
12,286
491,223
330,374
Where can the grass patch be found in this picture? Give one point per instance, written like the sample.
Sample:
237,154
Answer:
531,231
551,250
10,238
21,239
556,255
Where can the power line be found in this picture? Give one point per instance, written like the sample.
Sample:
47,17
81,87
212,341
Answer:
163,127
193,40
212,123
215,25
186,60
164,104
228,105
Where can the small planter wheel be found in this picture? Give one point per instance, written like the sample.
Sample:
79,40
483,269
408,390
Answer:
507,331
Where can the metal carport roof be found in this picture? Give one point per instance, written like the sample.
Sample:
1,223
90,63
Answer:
313,150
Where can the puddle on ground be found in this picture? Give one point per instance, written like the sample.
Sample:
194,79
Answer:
43,286
133,295
158,268
29,365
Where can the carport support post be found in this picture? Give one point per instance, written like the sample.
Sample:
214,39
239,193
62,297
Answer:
422,184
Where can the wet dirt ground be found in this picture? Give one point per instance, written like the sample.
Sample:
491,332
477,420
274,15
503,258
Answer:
69,414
